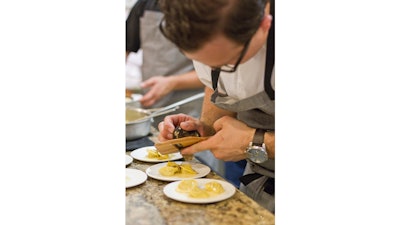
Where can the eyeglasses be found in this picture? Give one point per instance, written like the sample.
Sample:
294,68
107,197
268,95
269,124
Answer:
224,68
232,69
160,26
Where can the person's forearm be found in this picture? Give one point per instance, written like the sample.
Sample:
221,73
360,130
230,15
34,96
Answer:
186,81
210,113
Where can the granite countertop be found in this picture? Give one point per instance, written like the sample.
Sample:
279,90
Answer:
146,204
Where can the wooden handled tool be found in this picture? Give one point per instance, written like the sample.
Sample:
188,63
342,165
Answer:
174,145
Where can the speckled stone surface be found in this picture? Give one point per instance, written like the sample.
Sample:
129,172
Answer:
147,204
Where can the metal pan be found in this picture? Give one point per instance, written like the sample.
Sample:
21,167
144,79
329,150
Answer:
138,120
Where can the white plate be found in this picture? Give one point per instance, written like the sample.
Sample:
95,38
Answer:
141,154
134,177
202,170
128,160
170,191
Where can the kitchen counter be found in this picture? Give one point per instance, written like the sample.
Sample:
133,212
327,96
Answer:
146,204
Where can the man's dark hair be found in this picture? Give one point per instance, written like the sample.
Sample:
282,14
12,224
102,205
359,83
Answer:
191,23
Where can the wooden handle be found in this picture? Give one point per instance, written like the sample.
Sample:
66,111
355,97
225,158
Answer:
175,145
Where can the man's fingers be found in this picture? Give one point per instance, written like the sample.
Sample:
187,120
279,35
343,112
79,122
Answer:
164,134
198,147
147,83
188,125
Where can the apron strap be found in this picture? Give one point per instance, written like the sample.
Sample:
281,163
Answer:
215,78
270,58
248,178
269,185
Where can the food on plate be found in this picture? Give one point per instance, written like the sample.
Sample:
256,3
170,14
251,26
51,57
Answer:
174,169
214,187
187,169
170,169
186,186
197,192
192,189
154,154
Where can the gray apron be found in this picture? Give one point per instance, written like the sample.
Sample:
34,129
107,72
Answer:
257,111
162,57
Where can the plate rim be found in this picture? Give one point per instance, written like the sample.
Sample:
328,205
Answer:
172,178
138,172
130,159
132,154
232,190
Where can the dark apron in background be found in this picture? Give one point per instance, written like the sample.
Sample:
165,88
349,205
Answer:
162,57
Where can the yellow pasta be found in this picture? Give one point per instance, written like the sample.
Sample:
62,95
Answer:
174,169
192,189
186,186
214,187
187,169
197,192
154,154
168,171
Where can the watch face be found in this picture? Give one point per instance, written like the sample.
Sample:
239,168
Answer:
257,154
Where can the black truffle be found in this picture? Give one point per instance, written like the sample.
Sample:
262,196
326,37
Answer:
180,133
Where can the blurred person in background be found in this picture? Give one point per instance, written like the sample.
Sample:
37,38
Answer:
232,45
167,75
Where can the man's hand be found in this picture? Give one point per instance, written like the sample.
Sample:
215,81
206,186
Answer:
229,143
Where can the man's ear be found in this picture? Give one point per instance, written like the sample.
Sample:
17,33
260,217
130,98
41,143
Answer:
267,20
266,23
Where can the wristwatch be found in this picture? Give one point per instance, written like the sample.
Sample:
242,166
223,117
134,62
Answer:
256,150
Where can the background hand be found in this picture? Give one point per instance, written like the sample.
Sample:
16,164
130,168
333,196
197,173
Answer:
159,86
